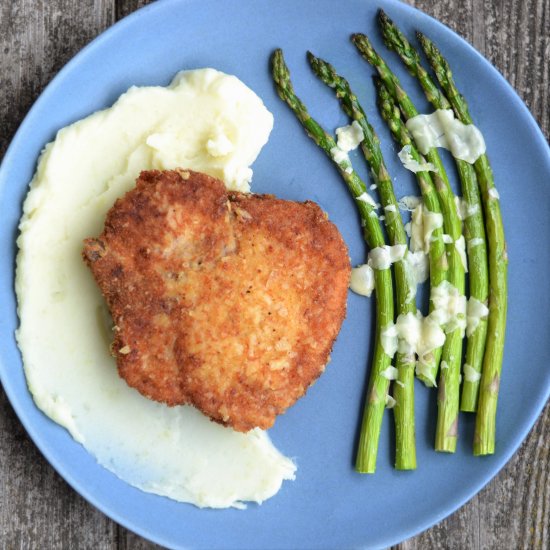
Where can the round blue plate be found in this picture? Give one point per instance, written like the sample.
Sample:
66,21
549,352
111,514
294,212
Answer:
329,505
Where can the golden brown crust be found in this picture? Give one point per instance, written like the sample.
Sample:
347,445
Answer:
227,301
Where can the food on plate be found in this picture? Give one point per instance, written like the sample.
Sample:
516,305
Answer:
205,120
481,346
381,363
485,431
462,237
405,275
451,354
223,300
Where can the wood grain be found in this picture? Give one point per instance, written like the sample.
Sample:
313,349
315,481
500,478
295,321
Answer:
37,37
38,509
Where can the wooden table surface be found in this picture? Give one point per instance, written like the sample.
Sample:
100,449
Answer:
37,508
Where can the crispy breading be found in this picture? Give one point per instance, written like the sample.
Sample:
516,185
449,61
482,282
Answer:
227,301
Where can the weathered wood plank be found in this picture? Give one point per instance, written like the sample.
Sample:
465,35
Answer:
514,508
518,43
126,7
37,38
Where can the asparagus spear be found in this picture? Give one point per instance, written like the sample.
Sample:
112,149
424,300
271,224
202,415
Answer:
391,114
474,230
449,382
484,438
437,253
452,223
378,384
403,391
449,378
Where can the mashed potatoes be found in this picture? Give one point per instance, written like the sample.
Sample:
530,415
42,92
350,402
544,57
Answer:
207,121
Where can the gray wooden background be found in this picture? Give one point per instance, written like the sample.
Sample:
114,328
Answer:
37,508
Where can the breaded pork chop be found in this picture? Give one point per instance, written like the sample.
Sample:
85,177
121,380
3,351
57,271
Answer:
227,301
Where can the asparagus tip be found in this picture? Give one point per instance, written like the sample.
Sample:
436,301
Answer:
378,83
421,37
277,57
280,72
383,17
314,62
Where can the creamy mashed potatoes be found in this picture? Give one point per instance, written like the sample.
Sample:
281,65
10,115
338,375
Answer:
207,121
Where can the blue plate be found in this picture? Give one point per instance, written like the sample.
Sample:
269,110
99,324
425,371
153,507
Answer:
328,505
